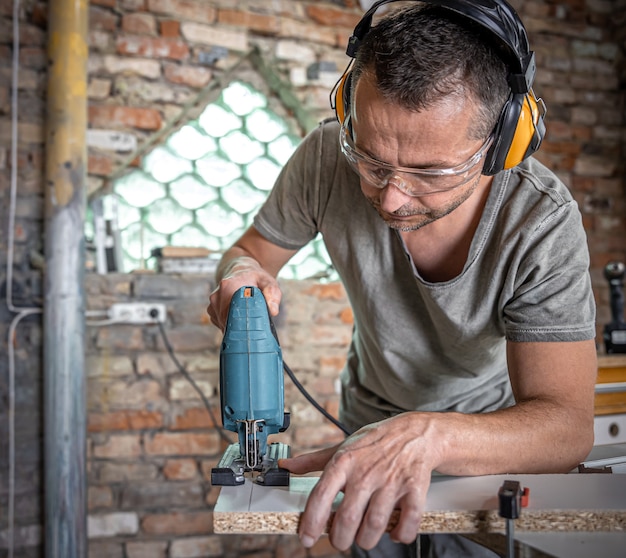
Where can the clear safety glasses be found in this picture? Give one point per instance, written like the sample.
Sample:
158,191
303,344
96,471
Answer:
412,181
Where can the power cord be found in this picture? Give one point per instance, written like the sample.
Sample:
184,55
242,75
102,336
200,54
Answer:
209,408
312,401
193,383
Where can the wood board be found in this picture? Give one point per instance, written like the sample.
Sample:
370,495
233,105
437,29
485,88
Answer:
564,503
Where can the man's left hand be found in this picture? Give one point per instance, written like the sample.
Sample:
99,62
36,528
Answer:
382,467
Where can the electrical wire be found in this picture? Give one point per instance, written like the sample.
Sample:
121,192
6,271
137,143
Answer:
207,404
22,312
193,383
312,401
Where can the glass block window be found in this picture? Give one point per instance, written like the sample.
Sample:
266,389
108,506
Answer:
203,186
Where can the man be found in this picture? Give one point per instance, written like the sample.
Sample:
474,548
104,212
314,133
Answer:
473,348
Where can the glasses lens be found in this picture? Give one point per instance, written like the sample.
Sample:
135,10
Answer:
414,182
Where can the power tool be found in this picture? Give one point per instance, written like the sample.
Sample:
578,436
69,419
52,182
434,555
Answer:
251,394
615,331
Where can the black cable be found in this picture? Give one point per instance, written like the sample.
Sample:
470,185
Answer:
188,377
207,404
312,401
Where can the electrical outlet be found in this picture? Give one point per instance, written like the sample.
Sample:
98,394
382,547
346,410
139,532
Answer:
138,312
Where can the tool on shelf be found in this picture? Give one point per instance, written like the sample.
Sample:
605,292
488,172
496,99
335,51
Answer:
615,331
251,394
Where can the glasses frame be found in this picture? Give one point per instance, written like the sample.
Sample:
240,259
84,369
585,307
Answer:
353,155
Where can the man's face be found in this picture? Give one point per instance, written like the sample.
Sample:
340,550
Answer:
436,138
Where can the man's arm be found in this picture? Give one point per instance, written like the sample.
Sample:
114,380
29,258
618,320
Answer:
551,424
251,261
387,465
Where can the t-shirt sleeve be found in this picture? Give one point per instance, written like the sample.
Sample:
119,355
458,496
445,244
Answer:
553,298
292,213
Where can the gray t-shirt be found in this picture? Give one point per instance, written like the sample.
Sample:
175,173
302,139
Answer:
440,346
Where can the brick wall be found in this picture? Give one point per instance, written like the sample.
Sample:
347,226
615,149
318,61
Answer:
152,63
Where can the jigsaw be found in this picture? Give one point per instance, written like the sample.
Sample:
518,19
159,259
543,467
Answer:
251,394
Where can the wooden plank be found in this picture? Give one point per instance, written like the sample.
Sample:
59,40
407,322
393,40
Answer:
611,369
611,361
574,502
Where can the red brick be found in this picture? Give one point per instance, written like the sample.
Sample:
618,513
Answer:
170,28
140,24
321,435
314,33
105,3
332,407
326,291
126,445
324,386
564,147
102,19
184,9
141,420
194,418
346,316
169,443
30,159
124,420
187,75
264,24
146,549
30,35
331,364
332,17
180,469
153,47
104,422
33,57
99,497
212,494
111,115
99,164
343,37
179,523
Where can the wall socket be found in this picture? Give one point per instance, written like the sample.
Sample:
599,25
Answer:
138,312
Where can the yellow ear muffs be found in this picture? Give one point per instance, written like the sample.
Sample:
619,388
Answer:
518,133
340,100
529,131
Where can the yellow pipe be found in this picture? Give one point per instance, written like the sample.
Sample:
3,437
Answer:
66,152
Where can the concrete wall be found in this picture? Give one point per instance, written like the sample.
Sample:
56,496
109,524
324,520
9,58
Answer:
150,442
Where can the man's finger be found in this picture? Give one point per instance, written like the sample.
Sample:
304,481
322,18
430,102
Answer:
319,506
308,462
411,509
273,296
348,518
376,519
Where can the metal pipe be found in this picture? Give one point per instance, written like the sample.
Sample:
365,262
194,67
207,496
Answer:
612,387
64,298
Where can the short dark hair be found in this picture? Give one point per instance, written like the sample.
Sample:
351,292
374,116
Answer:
422,53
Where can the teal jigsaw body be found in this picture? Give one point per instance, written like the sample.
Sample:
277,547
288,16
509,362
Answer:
251,390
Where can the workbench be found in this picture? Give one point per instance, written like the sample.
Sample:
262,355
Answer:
566,513
571,502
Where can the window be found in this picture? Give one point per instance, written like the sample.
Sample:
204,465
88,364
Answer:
203,186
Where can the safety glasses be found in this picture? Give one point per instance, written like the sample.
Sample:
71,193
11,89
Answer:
412,181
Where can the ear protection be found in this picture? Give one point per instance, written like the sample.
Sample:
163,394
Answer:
520,128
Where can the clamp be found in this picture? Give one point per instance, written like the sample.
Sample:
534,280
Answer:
512,499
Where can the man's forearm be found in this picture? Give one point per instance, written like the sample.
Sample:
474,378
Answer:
531,437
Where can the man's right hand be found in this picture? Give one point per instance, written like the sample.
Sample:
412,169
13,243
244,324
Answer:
242,271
